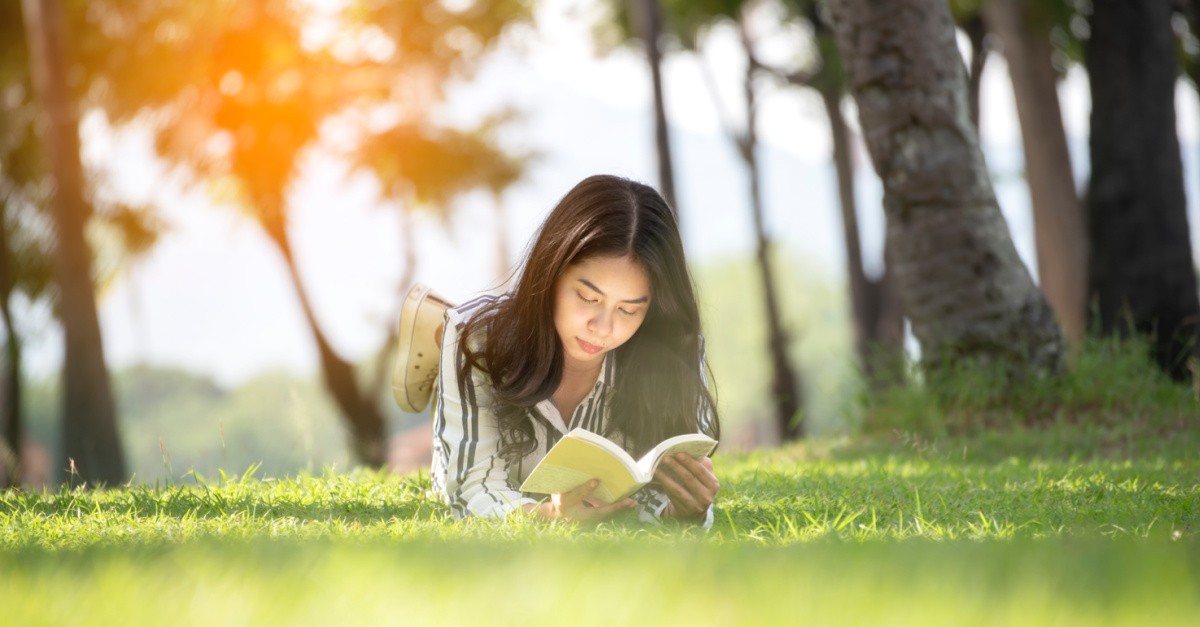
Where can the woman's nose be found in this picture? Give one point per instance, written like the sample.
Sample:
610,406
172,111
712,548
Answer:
601,324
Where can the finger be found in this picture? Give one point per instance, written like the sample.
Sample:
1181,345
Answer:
702,470
597,503
678,494
689,473
601,511
574,497
615,506
699,482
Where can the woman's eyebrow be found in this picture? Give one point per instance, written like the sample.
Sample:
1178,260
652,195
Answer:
635,301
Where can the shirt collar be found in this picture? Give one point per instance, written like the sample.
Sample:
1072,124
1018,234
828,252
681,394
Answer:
607,371
604,384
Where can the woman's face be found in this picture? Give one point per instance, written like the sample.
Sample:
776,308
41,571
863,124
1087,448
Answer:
599,304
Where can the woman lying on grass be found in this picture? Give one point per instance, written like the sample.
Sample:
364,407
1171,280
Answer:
601,332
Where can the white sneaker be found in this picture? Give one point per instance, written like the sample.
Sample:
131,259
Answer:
419,338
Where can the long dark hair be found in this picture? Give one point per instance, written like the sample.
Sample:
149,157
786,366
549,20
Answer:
659,389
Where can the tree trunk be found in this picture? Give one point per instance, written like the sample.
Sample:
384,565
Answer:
1024,30
10,453
785,390
878,321
359,409
10,387
958,274
90,441
1140,272
649,17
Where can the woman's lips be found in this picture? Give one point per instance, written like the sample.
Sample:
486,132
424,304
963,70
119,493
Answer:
590,349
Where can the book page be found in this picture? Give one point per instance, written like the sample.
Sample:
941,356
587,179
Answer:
572,462
694,444
612,447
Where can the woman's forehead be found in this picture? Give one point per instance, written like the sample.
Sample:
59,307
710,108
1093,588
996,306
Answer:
623,278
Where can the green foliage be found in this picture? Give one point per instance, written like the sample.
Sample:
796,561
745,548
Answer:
249,92
1112,390
174,423
688,19
120,232
849,537
683,20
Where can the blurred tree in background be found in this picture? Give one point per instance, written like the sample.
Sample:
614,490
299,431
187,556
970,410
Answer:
644,20
964,288
1002,321
117,233
1141,271
237,99
877,317
246,115
1024,28
89,436
26,246
243,97
652,21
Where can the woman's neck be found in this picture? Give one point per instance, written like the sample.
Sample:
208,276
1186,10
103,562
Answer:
577,381
580,375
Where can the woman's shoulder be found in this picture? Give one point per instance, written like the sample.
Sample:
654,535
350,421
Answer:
462,313
457,318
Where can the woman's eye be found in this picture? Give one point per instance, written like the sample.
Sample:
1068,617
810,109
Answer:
628,313
590,301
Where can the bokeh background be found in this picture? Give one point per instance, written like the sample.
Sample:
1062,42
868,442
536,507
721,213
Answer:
369,144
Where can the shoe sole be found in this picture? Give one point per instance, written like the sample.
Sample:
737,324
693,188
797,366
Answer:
419,335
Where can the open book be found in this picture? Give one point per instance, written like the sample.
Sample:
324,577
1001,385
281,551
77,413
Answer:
582,455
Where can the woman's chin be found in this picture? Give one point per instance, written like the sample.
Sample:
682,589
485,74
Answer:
583,358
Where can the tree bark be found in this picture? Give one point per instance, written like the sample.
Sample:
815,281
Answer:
1059,235
959,277
1141,271
90,441
359,409
649,16
785,389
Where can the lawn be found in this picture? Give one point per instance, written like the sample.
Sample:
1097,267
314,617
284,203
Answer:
895,529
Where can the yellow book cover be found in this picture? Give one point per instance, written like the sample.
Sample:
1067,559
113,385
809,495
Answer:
582,455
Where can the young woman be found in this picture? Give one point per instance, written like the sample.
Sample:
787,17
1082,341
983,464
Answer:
600,332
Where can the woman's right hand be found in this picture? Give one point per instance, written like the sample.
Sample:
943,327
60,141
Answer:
579,505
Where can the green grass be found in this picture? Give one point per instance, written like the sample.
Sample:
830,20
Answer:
1067,502
892,530
1109,392
604,582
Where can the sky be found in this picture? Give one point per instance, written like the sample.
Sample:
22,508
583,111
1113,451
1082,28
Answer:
214,297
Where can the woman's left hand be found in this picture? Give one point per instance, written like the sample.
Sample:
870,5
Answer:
689,483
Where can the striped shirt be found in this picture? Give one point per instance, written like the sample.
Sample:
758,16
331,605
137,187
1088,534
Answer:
468,470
